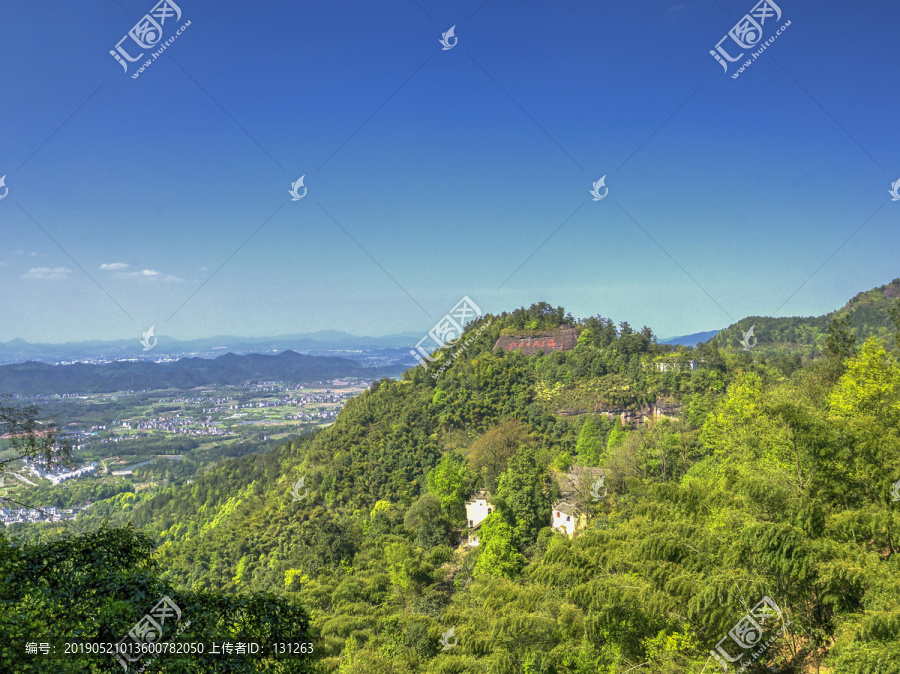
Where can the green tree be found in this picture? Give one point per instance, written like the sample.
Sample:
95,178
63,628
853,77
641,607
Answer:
31,438
870,388
427,522
490,453
404,569
590,445
840,344
524,492
617,434
498,555
865,405
382,518
451,481
95,587
894,315
562,462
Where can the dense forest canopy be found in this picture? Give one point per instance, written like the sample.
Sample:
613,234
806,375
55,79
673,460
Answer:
749,518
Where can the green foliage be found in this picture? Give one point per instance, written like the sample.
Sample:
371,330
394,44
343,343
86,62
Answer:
451,481
427,522
562,462
498,555
491,452
94,587
590,444
29,437
840,344
383,518
772,477
539,316
66,495
894,315
616,435
523,493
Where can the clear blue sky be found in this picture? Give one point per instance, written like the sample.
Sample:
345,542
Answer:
434,174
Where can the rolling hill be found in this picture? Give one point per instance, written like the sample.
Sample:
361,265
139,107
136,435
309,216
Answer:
867,311
34,378
771,484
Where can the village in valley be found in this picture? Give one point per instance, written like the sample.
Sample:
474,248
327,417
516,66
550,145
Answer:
114,439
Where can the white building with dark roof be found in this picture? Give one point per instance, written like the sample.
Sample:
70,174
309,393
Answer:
566,517
578,486
477,510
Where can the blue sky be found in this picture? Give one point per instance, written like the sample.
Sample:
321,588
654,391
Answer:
434,174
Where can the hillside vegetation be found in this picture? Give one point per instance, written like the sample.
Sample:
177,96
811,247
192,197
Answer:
770,478
868,314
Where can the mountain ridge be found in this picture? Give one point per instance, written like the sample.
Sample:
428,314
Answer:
19,350
37,378
868,312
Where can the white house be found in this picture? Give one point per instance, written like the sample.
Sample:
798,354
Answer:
477,510
579,485
567,517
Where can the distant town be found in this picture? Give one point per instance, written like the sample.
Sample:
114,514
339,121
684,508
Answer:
146,426
10,516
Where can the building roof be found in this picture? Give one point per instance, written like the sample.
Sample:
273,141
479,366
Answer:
567,508
577,482
481,494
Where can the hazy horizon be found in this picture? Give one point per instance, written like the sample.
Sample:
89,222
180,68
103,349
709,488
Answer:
432,173
407,335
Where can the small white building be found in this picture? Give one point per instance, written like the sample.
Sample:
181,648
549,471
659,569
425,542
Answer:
579,486
477,510
567,517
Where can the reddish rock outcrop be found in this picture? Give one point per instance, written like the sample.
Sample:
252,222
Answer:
561,339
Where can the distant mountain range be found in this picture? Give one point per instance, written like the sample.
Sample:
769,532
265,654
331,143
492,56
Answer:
868,313
690,340
34,378
18,350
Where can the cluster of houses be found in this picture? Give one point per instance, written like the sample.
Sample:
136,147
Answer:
10,516
577,486
56,476
675,366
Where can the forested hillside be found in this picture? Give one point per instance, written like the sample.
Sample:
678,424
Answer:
870,313
744,491
770,477
32,378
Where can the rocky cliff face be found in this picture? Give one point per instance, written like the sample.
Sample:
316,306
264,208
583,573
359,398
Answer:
560,339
